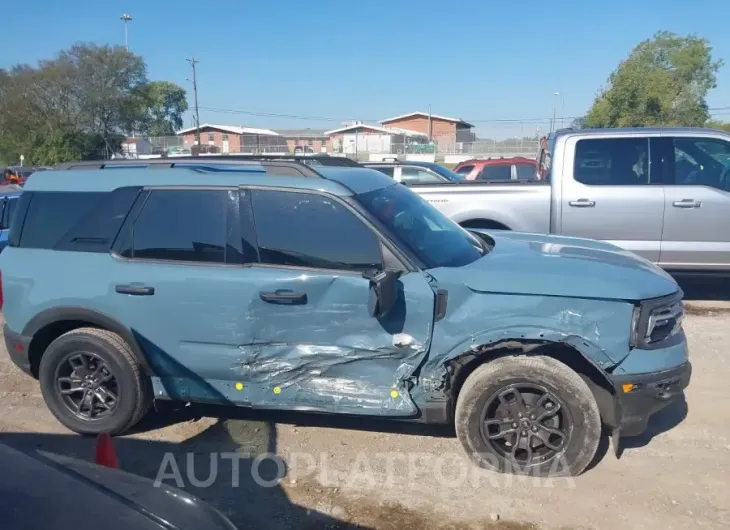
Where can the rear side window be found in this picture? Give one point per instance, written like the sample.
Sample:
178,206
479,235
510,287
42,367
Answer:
53,214
495,173
181,225
73,221
464,170
525,171
388,170
612,161
310,230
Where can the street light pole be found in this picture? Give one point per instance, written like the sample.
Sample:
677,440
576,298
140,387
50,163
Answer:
193,62
562,109
125,18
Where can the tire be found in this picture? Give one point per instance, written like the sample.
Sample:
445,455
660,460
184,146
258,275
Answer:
132,388
565,394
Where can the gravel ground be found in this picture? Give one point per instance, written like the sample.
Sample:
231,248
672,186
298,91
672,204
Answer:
342,473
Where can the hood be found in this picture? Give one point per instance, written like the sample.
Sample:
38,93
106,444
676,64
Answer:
537,264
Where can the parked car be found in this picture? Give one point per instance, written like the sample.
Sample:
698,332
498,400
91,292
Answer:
21,173
41,489
8,200
413,173
662,193
514,168
278,285
303,150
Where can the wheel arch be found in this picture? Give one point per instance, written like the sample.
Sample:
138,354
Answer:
50,324
460,367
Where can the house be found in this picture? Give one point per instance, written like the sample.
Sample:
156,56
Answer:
234,139
446,132
360,137
314,138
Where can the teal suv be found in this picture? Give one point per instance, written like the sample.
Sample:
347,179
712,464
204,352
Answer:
278,285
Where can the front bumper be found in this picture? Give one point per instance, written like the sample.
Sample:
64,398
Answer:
642,395
17,346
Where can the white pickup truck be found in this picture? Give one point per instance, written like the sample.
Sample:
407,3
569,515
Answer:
663,193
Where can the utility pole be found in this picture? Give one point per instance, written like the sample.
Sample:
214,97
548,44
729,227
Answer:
126,18
193,62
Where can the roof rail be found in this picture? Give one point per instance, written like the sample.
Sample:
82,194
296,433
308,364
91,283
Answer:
282,168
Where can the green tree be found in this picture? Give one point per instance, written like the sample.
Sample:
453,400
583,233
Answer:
663,81
164,104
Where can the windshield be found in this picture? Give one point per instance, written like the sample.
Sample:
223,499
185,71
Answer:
434,238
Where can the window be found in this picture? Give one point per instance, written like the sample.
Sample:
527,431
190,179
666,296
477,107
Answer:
225,137
309,230
8,211
181,225
414,175
388,170
703,162
52,214
464,170
525,171
612,161
495,173
211,137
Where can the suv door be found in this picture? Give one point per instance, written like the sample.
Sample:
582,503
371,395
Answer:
308,340
697,214
611,192
177,282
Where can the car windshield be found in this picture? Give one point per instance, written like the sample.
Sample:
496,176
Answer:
434,238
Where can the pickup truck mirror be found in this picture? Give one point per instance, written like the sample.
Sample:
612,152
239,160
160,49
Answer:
383,291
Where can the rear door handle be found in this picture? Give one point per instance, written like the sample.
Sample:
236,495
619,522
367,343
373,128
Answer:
582,203
687,203
137,290
283,296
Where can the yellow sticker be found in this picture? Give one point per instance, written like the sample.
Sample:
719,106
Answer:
239,386
394,393
277,390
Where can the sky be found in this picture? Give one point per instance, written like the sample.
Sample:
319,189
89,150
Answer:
296,64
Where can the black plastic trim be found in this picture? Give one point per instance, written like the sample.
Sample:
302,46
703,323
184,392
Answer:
96,318
17,345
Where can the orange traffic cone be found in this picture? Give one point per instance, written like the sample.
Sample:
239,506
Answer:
105,454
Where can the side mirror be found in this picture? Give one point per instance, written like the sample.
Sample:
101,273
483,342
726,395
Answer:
383,292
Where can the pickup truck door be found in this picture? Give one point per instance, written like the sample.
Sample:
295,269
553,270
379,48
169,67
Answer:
308,340
611,190
697,213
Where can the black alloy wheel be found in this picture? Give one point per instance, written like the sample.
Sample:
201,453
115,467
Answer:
87,386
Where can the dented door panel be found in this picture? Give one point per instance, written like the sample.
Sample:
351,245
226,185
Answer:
324,351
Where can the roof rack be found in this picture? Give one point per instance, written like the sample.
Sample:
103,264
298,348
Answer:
282,168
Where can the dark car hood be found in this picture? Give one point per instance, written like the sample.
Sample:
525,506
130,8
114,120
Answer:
52,492
537,264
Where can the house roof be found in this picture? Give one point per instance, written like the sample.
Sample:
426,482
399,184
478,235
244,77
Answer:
425,115
306,133
231,129
378,128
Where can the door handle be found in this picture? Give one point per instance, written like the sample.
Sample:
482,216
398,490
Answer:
687,203
137,290
283,296
582,203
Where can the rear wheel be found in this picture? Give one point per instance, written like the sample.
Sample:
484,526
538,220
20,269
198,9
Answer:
528,415
92,382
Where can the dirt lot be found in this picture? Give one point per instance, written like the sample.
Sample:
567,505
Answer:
372,474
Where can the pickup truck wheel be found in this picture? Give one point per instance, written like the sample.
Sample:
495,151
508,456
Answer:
529,416
92,383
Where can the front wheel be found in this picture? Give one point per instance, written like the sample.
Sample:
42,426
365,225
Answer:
528,415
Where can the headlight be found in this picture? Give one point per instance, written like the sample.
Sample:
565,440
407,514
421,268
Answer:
657,320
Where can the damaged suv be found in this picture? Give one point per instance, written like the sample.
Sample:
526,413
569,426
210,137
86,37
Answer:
276,285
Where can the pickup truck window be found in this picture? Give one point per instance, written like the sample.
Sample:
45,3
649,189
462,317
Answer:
434,238
311,230
702,161
495,173
415,175
612,161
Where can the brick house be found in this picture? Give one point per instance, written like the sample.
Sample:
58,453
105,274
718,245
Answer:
363,138
233,139
446,132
